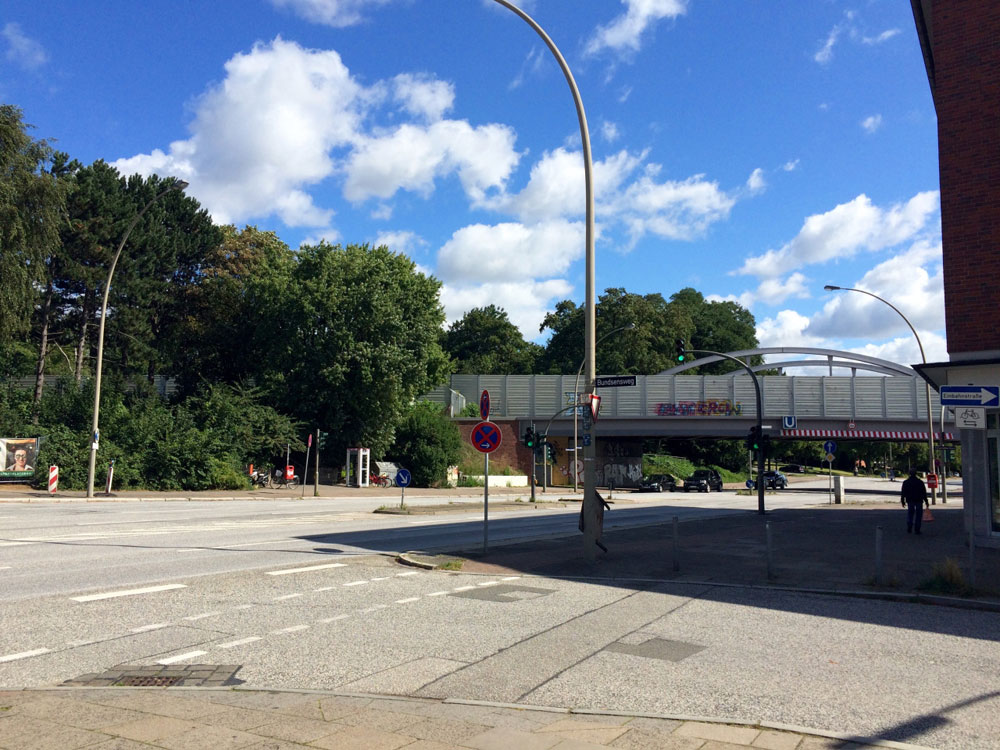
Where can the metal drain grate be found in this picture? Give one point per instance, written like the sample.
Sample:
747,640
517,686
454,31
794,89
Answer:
142,681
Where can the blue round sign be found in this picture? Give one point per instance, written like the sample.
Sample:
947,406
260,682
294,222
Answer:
830,447
403,478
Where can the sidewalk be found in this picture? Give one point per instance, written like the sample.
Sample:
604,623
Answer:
219,719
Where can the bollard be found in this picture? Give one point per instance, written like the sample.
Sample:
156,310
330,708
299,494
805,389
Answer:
770,560
972,558
677,560
53,479
878,555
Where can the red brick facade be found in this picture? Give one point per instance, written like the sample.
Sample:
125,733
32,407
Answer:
965,80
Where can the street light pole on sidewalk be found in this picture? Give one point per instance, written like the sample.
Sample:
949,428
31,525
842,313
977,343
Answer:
930,415
95,427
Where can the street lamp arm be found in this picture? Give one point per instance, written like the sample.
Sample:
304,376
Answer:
832,288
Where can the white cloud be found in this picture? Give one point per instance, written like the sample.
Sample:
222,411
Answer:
533,62
790,166
335,13
609,131
756,182
879,38
413,157
264,133
624,32
872,123
825,53
511,251
329,235
526,302
788,328
849,26
423,96
401,242
912,281
845,231
22,50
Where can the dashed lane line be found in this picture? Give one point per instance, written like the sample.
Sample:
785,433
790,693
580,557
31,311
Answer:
147,628
407,601
356,583
128,592
24,655
181,657
240,642
285,597
288,571
292,629
202,616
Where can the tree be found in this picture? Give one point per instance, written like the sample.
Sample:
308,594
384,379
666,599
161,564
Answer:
484,341
356,341
32,207
644,350
716,326
427,443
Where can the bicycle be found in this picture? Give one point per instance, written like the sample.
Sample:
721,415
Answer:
379,480
278,480
260,478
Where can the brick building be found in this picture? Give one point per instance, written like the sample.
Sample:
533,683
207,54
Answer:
960,42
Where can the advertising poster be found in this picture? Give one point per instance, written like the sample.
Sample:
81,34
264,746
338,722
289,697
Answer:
18,457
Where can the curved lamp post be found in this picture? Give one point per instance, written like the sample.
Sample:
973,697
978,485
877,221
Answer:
591,530
930,416
576,393
95,430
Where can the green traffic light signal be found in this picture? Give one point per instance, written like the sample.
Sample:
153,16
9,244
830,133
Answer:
681,352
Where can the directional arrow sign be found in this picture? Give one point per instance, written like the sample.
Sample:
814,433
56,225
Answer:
970,395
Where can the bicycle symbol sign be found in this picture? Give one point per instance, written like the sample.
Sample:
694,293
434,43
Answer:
486,437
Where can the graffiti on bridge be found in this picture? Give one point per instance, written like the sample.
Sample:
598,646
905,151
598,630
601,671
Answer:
712,408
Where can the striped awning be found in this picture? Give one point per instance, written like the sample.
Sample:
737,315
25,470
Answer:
867,434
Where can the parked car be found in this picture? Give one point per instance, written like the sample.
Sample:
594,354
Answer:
793,469
703,480
775,480
658,483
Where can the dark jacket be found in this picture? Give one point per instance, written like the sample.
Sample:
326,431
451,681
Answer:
914,491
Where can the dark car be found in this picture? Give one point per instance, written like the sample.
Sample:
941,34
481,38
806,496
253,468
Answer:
775,480
658,483
703,480
793,469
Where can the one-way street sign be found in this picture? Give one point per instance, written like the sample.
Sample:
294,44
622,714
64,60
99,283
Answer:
970,395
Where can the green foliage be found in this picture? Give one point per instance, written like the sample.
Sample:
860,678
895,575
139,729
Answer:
470,410
427,443
484,341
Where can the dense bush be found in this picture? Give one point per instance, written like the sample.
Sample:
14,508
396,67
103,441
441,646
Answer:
427,443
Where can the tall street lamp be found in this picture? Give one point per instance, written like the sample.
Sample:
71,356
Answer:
930,416
591,522
576,395
95,429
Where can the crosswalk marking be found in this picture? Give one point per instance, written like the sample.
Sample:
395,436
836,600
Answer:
128,592
24,654
181,657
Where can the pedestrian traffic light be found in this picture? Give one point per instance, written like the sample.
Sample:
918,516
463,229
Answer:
753,441
529,438
681,350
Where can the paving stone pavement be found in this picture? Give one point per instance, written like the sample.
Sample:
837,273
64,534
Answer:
226,719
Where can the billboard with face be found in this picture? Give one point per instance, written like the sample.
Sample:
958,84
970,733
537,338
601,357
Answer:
18,457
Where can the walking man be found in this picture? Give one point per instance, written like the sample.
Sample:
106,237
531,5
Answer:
913,498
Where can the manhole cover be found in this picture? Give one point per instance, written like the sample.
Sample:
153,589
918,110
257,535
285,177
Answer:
136,681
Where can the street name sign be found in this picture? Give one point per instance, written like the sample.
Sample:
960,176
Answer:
970,395
616,381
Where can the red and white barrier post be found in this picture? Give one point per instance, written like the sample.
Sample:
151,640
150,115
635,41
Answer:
53,479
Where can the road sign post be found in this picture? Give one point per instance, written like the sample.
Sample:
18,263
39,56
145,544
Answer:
403,479
486,438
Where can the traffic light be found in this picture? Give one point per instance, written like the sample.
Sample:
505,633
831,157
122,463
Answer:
529,438
550,451
681,350
753,442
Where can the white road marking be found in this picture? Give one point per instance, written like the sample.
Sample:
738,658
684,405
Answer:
286,596
411,573
146,628
246,544
356,583
15,544
189,550
510,578
6,567
334,619
488,583
464,588
24,655
244,606
326,588
382,578
241,642
181,657
302,570
439,593
293,629
376,608
407,601
192,618
128,592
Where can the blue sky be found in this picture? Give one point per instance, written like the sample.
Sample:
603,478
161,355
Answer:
752,150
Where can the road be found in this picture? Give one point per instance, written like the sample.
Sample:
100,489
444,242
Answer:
283,591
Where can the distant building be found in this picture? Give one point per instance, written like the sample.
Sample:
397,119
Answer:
959,41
